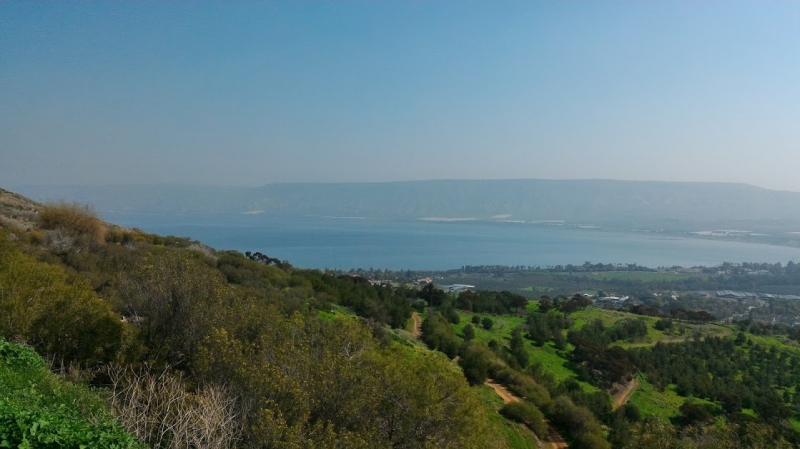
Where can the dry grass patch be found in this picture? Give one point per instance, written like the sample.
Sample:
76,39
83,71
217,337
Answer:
74,218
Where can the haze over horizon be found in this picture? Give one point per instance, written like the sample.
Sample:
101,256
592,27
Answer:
258,93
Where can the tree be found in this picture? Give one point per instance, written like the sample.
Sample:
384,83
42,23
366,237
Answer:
469,332
487,323
475,359
517,347
434,296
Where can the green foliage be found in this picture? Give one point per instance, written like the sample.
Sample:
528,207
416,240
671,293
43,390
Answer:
477,361
508,433
574,304
438,335
523,386
576,420
59,316
384,304
468,332
176,299
432,295
592,357
38,410
517,348
528,414
487,323
490,302
664,324
308,381
653,432
543,327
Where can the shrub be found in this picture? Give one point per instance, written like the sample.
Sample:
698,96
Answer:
74,218
469,332
523,386
528,414
60,317
476,360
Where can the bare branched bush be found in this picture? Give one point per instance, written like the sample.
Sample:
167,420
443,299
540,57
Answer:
158,410
59,239
74,218
204,250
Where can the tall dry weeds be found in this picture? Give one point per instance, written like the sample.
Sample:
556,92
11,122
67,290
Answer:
159,411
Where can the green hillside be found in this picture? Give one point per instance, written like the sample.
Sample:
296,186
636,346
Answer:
191,347
160,341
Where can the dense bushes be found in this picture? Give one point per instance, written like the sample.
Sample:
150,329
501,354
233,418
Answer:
527,414
307,383
578,421
437,334
523,386
744,376
477,361
490,302
384,304
59,317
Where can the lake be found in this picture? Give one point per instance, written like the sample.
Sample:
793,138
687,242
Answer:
315,242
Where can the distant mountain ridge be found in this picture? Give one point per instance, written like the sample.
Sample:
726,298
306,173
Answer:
574,201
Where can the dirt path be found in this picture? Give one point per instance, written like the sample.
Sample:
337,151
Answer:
621,397
554,439
502,391
417,331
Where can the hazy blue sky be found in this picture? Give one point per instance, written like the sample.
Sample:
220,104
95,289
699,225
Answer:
252,93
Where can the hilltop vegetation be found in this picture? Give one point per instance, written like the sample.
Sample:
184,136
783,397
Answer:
233,350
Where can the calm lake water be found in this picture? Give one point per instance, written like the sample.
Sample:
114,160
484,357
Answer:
314,242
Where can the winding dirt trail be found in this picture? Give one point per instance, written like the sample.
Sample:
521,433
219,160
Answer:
417,331
554,439
502,391
621,397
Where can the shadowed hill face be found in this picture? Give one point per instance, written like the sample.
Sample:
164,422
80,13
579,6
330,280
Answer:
16,211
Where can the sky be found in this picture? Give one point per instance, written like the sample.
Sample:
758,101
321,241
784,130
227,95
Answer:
250,93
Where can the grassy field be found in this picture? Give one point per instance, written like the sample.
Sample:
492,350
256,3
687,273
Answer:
682,331
643,276
653,402
664,404
513,435
552,360
537,291
500,331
